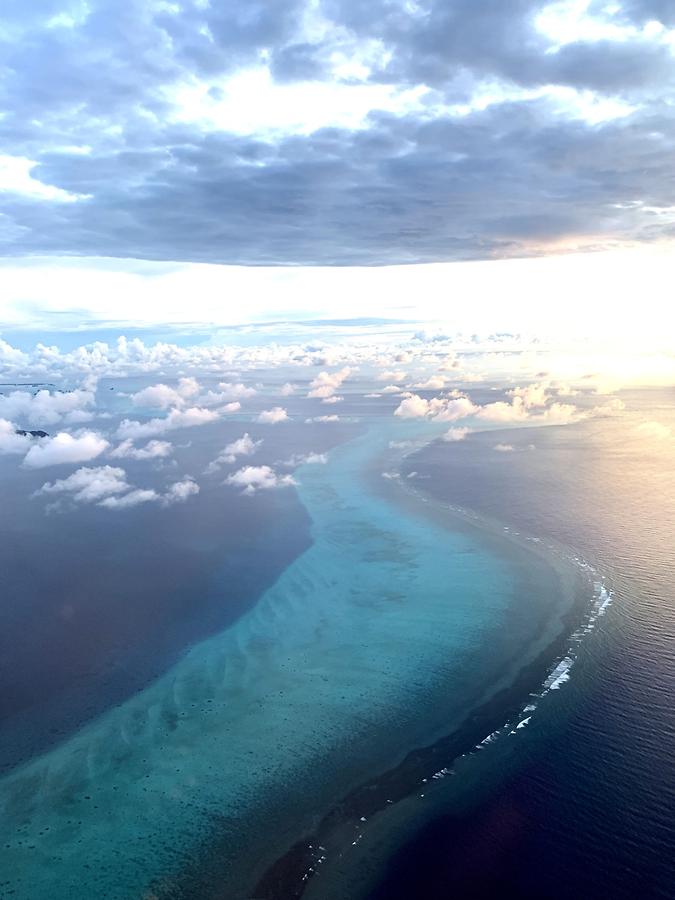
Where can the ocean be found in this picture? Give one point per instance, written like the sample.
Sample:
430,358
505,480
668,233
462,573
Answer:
583,806
378,685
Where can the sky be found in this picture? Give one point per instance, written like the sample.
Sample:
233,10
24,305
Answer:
506,164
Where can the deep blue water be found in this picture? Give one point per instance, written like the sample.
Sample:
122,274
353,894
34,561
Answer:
95,606
91,615
583,805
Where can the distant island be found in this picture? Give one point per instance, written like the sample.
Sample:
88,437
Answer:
35,434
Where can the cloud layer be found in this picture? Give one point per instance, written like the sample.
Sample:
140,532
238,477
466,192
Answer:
439,130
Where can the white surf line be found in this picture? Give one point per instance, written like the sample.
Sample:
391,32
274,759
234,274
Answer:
600,601
560,673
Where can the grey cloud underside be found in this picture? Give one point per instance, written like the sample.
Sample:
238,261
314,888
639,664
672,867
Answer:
402,189
498,38
641,11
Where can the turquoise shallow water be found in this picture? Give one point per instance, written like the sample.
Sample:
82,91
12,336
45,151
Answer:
378,639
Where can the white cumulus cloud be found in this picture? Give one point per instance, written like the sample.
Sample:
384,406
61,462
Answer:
133,498
161,396
454,408
326,383
439,409
273,416
177,418
152,450
243,446
88,485
391,375
258,478
236,391
434,383
413,407
304,459
46,407
179,491
10,441
65,448
518,411
107,486
456,434
532,395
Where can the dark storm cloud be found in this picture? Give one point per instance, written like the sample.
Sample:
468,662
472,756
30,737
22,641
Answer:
403,189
